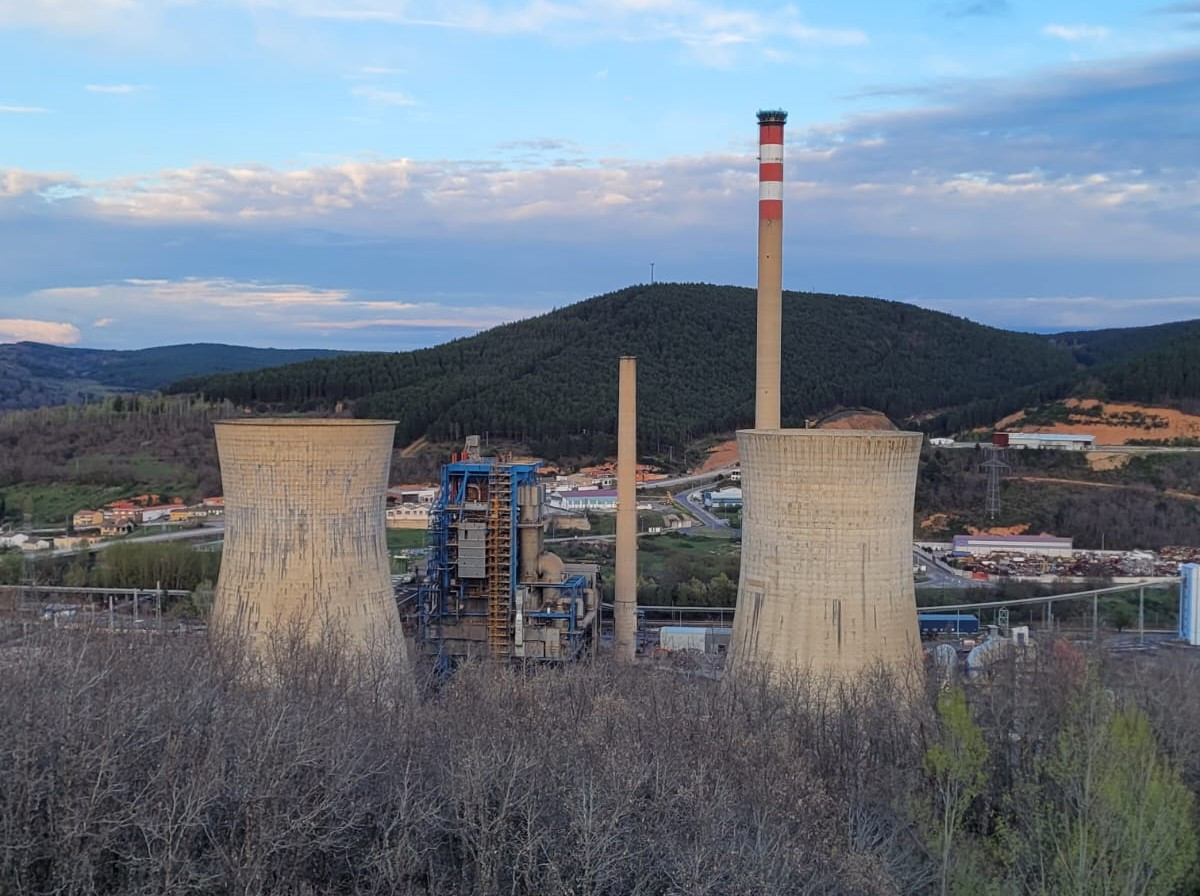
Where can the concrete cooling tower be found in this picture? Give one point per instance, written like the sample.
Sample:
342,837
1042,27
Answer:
305,547
826,582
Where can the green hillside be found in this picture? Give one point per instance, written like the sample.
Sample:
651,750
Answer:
1167,374
36,375
1106,348
550,381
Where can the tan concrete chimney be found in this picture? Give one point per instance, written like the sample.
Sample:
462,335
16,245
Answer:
625,599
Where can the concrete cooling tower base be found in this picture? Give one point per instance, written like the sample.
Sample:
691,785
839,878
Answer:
826,583
305,558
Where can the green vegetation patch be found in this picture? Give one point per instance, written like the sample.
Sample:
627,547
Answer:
53,504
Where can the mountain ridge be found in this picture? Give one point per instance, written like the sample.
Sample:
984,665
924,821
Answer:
550,381
36,374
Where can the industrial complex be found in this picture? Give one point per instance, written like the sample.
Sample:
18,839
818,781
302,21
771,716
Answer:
492,592
826,570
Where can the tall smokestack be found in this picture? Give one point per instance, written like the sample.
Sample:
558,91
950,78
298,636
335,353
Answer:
770,266
625,598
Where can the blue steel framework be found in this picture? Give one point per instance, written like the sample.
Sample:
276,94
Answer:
484,491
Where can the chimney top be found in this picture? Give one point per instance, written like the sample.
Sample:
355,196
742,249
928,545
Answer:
772,116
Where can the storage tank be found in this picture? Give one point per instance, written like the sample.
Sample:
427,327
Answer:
826,580
305,552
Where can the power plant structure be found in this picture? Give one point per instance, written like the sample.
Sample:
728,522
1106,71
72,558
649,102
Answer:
305,556
625,587
825,586
491,591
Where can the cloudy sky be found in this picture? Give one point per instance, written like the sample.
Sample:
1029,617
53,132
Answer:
393,173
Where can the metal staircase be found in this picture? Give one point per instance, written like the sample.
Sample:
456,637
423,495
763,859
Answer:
499,562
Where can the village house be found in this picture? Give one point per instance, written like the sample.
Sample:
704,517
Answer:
407,516
83,520
116,528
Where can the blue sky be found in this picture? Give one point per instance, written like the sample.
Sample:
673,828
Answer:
383,174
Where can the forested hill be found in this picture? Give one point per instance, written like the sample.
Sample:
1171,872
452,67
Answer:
551,380
33,374
1167,374
1104,349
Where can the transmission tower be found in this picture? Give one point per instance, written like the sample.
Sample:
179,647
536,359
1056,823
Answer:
996,468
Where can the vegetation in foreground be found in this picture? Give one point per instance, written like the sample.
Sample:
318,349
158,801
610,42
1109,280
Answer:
146,768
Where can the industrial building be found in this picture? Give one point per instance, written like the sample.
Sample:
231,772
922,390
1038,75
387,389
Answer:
1189,610
603,500
825,585
729,498
696,638
1039,545
491,591
1048,440
305,550
934,624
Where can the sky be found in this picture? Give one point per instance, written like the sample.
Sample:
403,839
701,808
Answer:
386,174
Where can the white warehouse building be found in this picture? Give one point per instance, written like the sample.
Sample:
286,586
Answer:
1038,545
1052,440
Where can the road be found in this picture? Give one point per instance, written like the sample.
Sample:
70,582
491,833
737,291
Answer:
939,575
692,479
208,530
696,508
1100,449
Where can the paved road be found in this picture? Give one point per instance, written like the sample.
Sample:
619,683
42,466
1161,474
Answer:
1101,449
696,508
939,575
208,530
693,479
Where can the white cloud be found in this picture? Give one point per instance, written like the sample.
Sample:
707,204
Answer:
22,110
16,329
466,320
113,88
1076,312
103,322
386,97
1076,33
194,292
705,26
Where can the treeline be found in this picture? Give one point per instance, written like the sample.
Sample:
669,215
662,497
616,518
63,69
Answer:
138,442
34,375
1164,375
172,566
550,382
149,769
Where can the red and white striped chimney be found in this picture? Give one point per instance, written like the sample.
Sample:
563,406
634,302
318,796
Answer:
770,266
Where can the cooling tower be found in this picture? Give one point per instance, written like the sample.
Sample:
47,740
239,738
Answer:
826,580
625,586
305,549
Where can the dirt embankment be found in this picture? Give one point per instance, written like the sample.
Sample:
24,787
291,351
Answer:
1112,423
720,455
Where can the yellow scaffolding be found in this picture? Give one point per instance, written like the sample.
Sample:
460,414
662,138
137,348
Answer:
499,562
